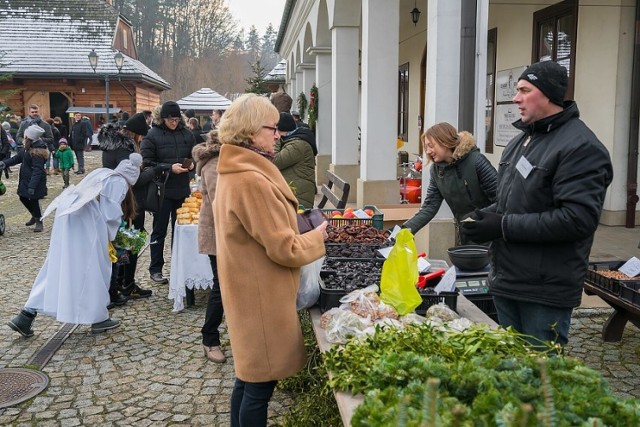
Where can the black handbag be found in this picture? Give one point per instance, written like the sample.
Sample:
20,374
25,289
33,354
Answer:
154,193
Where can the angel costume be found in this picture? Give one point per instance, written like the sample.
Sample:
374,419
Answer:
87,218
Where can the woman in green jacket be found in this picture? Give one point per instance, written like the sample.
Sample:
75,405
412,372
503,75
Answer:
296,159
460,174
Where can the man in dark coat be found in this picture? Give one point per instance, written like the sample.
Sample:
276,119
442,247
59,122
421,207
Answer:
34,119
170,143
552,182
78,140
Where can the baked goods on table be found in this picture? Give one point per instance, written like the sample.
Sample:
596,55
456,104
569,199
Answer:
189,213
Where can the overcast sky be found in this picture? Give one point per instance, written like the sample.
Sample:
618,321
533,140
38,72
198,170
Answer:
257,12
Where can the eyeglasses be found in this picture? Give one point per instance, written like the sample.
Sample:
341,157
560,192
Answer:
173,119
274,129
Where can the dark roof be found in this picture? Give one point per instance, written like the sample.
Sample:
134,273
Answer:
52,40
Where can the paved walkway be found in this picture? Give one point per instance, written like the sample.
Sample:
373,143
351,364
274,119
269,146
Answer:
151,370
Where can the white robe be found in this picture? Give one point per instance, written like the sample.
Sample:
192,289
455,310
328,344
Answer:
73,283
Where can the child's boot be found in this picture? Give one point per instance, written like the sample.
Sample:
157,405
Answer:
22,323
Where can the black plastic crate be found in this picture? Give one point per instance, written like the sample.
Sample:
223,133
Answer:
429,299
484,303
354,250
631,292
606,283
330,298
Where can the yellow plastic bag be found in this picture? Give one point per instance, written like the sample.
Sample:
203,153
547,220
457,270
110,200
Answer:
400,275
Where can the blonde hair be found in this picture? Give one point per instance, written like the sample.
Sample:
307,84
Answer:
245,118
443,134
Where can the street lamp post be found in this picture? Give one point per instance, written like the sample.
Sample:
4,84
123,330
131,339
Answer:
118,58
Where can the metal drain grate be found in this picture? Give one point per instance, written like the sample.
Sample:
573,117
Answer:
41,358
20,384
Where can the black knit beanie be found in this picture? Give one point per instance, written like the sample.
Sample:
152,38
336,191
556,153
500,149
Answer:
286,122
137,124
190,113
550,77
170,109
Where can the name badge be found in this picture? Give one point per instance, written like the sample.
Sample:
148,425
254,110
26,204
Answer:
524,167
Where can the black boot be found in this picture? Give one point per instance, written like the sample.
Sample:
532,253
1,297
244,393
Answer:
31,221
39,226
191,297
22,323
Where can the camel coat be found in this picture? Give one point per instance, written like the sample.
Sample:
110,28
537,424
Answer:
260,252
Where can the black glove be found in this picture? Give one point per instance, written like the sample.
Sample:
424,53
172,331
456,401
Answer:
486,227
31,192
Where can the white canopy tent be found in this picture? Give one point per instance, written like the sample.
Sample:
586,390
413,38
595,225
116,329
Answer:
204,101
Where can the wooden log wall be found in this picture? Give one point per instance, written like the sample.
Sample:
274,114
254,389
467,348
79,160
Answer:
81,93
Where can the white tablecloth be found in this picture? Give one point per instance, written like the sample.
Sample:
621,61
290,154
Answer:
188,267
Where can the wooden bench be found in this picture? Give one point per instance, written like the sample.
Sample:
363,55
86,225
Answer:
329,195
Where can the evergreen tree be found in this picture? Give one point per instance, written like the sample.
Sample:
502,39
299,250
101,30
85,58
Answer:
256,82
268,56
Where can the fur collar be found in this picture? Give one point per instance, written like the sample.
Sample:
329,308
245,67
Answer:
467,143
111,139
204,152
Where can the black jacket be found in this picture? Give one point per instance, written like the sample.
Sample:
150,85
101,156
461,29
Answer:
32,173
78,136
115,148
164,147
551,215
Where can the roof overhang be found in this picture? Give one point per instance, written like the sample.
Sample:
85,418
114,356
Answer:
92,110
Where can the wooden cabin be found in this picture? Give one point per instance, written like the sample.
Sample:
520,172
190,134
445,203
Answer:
46,53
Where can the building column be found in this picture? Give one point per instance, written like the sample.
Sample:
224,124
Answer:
345,105
299,88
441,105
324,121
380,49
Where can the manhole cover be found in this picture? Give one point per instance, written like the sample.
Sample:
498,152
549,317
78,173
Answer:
18,385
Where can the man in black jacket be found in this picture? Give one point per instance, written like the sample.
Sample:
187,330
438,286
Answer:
34,119
168,144
552,182
78,140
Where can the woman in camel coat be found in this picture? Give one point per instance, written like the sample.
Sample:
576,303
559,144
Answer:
260,252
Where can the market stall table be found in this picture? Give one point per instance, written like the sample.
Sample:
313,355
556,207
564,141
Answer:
189,268
623,312
347,403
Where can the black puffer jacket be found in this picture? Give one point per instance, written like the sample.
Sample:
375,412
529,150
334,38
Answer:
32,174
164,147
551,215
115,148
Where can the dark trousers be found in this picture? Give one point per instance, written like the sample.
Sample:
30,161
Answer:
213,318
542,322
33,206
65,176
113,282
160,225
80,159
249,403
127,273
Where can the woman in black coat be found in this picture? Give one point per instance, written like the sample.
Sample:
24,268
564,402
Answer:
32,182
116,145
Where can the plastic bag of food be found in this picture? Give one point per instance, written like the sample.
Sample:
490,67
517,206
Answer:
363,302
400,275
442,312
343,325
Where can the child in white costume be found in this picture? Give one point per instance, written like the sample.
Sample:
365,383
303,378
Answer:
87,219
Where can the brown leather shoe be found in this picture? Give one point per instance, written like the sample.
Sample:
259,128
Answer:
214,354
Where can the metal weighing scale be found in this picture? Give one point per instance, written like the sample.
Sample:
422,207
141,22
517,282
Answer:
475,286
473,282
